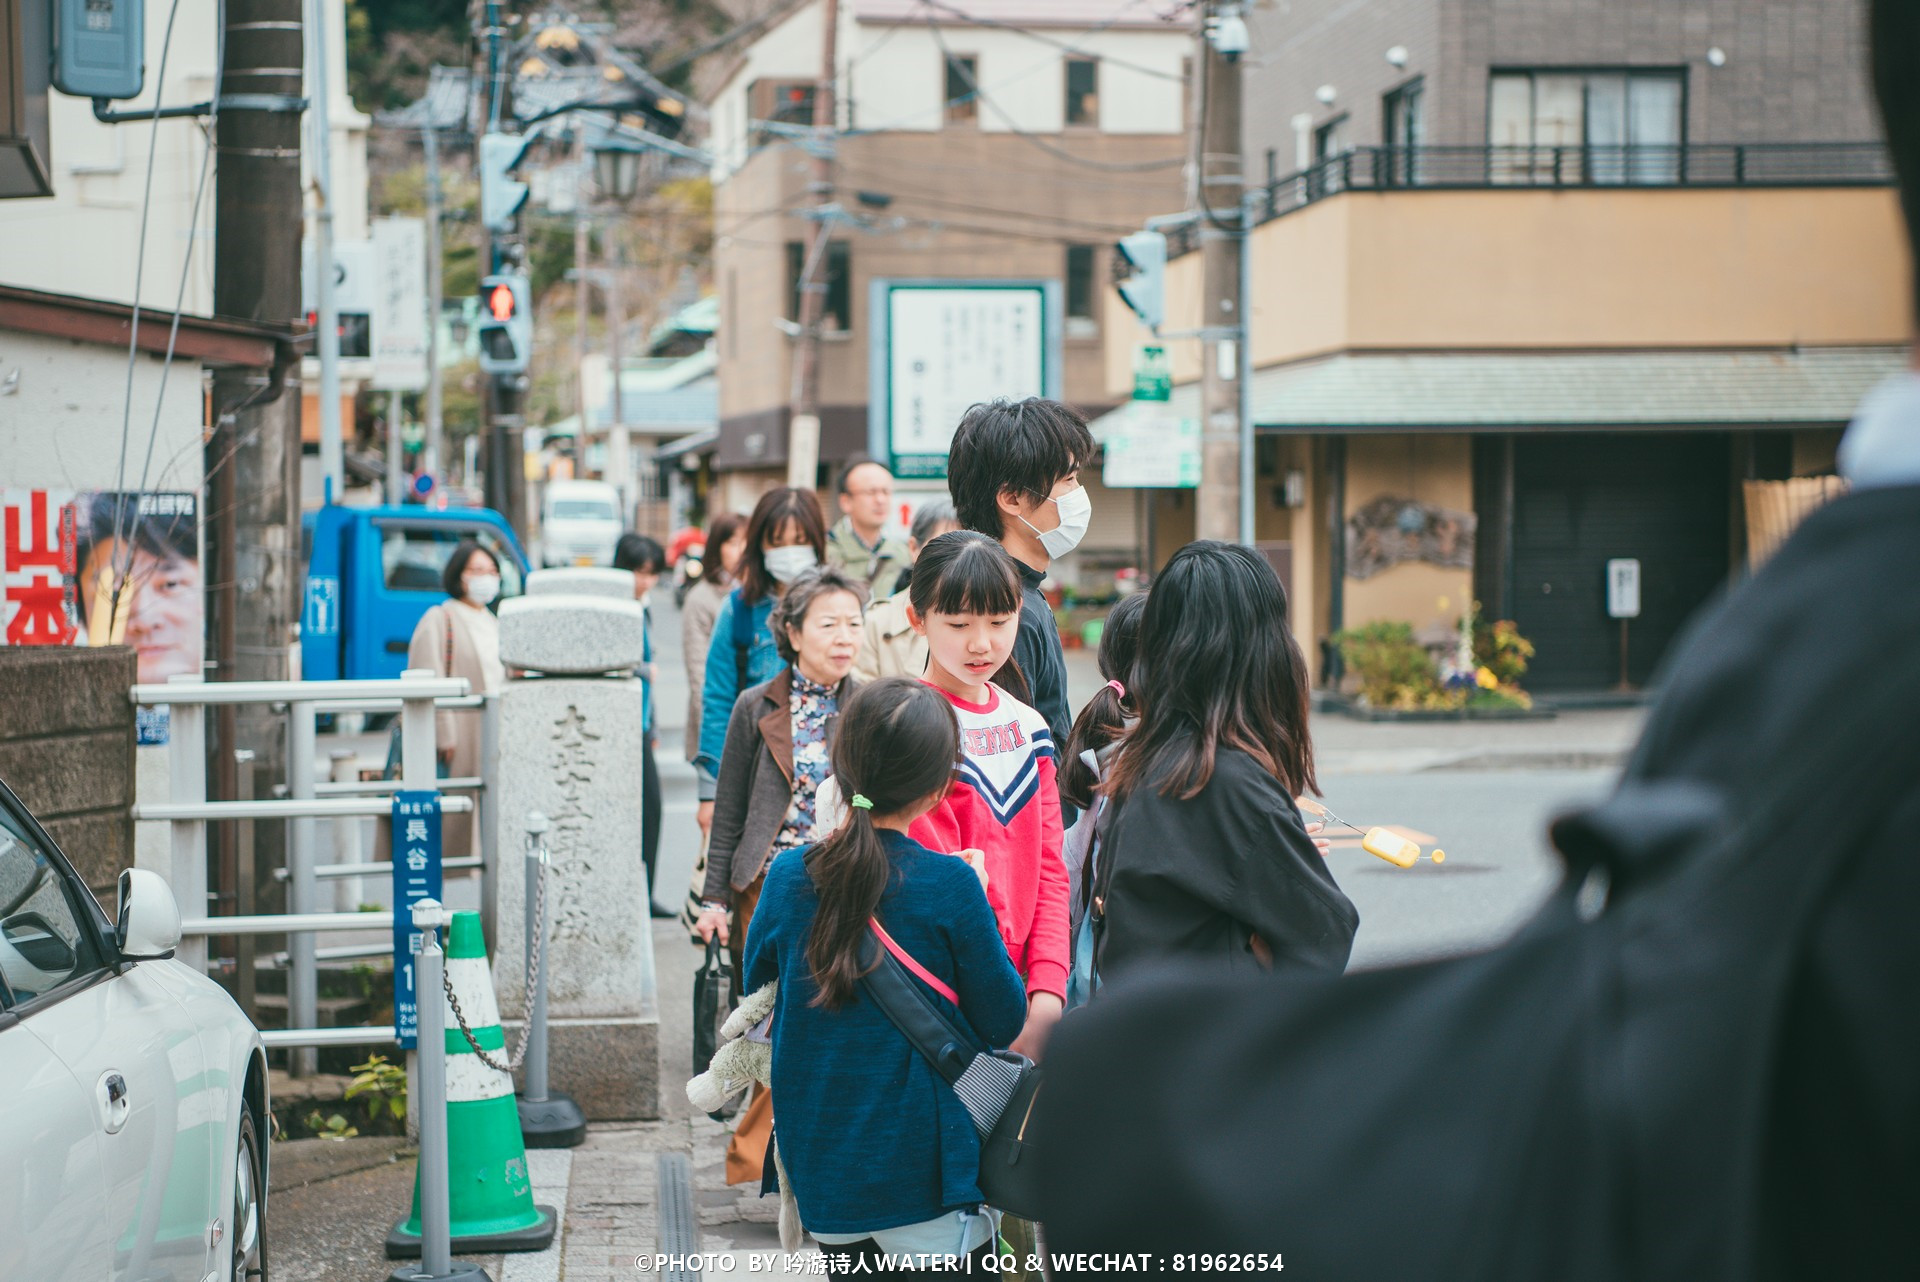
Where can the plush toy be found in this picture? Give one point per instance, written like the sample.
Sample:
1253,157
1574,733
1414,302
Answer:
741,1059
746,1056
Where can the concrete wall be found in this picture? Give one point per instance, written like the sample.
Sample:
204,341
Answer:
1755,267
84,239
1305,44
66,750
1794,69
1023,80
60,428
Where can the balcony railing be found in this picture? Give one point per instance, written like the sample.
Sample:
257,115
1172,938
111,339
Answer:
1810,164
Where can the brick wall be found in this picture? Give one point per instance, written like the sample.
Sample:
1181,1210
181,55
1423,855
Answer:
1794,70
66,750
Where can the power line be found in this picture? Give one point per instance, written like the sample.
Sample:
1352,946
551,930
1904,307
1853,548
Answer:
1003,83
186,265
139,275
1129,167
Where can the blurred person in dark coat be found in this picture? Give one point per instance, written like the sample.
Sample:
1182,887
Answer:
1700,1061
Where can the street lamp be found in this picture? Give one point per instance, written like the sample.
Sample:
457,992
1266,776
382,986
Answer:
616,168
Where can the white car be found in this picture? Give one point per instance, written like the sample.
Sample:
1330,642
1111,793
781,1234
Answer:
579,523
133,1092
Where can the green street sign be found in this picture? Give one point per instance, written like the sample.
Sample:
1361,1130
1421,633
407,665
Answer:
1152,373
412,435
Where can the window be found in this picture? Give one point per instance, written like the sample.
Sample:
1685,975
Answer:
1083,91
792,104
838,273
1081,320
963,93
1330,139
1607,127
1329,143
44,941
787,102
412,556
1404,127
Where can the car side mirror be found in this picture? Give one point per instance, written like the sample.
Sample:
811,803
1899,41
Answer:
147,926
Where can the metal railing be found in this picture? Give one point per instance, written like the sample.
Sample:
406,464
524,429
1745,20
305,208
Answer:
1792,164
415,695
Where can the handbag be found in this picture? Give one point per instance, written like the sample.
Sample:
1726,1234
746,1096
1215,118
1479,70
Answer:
712,1003
998,1088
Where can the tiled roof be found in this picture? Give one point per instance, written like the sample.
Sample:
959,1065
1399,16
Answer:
1486,391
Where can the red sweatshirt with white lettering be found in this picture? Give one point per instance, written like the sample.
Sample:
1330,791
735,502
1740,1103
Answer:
1005,803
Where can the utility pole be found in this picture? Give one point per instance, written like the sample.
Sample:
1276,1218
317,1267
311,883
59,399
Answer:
619,443
253,453
501,414
803,419
327,323
1223,506
434,447
582,244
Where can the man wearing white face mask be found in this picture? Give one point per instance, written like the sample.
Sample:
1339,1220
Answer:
1014,471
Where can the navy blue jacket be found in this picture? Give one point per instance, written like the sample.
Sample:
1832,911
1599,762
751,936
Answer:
1042,661
872,1138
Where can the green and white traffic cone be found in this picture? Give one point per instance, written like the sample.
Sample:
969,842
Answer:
491,1196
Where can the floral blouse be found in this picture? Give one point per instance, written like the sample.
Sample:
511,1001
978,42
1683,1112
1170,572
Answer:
812,705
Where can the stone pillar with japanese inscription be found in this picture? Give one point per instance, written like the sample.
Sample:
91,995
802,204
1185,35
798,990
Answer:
571,740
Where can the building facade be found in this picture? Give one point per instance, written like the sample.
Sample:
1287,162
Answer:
1541,287
979,145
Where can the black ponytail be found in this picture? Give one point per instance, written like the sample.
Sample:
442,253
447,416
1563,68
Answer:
1104,719
897,746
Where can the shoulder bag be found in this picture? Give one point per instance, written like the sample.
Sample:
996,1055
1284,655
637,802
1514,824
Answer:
997,1088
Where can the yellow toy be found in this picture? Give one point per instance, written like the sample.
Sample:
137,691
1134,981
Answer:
1384,843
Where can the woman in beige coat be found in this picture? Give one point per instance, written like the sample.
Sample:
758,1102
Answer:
889,647
461,638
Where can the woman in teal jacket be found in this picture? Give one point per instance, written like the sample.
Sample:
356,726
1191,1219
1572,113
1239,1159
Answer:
786,535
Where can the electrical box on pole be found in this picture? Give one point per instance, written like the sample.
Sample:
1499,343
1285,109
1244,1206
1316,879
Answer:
1145,290
501,194
99,48
506,324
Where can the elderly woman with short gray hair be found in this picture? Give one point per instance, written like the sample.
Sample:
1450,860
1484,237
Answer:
778,751
778,746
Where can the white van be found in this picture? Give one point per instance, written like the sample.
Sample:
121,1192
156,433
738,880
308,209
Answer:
579,523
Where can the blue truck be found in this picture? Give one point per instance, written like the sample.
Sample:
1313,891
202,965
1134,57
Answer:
373,571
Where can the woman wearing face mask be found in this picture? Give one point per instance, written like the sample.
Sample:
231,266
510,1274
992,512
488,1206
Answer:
786,536
461,638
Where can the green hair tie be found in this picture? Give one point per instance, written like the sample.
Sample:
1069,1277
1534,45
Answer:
860,803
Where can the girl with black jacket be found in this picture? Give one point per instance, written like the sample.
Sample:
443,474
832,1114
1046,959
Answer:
1204,853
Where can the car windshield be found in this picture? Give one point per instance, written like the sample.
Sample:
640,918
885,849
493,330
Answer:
582,510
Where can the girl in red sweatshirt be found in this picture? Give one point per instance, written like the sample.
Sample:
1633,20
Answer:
965,600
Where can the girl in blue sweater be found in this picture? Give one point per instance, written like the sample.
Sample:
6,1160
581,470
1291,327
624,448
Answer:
881,1154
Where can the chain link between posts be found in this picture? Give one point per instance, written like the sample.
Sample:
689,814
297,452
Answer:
534,960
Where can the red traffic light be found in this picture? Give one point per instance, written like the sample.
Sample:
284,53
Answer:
500,302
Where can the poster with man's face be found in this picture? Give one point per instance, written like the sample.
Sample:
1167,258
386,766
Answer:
104,568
